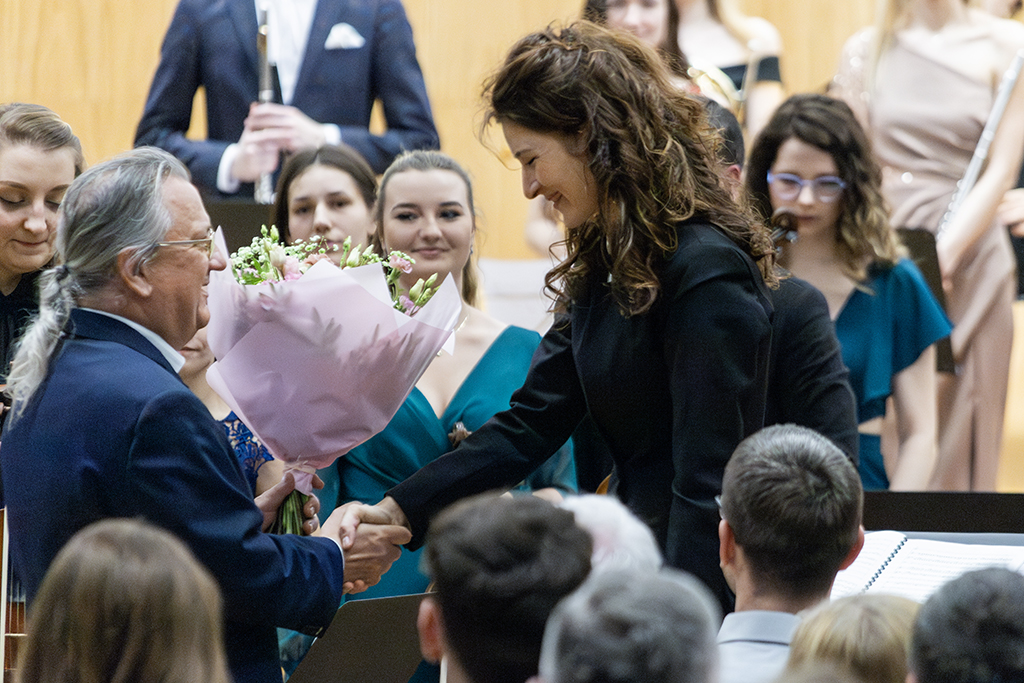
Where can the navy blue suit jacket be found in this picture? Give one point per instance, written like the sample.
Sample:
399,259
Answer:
113,432
212,43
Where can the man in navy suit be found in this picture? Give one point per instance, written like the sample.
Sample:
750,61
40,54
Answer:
335,58
102,426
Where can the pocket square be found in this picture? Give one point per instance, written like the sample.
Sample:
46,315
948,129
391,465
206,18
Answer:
344,37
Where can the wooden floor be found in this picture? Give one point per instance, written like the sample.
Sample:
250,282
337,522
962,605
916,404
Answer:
1011,464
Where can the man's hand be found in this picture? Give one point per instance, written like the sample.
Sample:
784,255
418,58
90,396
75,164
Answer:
270,500
370,550
385,512
295,129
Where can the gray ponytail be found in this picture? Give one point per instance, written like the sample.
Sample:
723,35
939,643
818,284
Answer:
114,207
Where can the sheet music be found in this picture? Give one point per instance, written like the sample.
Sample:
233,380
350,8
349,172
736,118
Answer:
878,548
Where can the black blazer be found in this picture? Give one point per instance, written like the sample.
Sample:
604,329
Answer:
672,392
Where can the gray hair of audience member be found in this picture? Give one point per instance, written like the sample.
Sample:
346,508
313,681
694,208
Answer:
116,207
971,630
499,566
621,540
793,501
628,627
125,601
868,635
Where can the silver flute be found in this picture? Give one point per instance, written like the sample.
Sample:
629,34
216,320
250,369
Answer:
966,183
264,190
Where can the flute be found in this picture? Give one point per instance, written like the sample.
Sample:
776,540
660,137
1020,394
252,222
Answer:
264,190
970,177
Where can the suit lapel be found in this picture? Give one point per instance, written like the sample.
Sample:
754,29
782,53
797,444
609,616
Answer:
327,14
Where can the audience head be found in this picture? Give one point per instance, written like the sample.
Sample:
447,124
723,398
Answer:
425,209
132,236
971,630
816,139
124,601
821,672
326,193
655,22
499,566
600,129
621,540
630,627
791,504
39,158
867,634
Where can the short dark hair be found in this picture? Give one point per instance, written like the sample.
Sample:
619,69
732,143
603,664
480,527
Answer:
794,501
621,626
971,630
499,567
341,157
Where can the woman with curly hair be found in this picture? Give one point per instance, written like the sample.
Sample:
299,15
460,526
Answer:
663,326
813,161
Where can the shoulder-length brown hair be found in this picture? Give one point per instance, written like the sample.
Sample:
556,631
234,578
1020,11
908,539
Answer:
652,152
863,234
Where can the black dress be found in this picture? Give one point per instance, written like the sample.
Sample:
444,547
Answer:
672,392
15,311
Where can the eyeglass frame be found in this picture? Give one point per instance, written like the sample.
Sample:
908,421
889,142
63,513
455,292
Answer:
211,250
815,184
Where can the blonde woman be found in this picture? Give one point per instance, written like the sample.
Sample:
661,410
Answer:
924,81
866,635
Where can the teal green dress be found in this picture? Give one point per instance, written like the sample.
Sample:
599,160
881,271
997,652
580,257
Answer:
416,436
882,333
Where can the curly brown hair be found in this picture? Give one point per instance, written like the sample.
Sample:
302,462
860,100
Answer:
863,235
649,146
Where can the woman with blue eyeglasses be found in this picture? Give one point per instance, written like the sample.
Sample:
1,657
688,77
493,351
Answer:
813,161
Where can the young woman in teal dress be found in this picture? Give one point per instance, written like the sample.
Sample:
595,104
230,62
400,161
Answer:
425,209
813,160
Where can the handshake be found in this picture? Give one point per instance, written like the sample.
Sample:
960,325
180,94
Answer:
370,536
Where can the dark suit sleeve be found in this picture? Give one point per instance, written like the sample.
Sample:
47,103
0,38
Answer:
809,383
397,81
168,110
183,476
507,447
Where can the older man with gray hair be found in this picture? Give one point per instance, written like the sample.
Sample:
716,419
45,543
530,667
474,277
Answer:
101,425
632,627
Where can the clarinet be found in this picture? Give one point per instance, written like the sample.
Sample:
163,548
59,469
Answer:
264,190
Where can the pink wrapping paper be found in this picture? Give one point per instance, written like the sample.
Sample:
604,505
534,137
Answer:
318,365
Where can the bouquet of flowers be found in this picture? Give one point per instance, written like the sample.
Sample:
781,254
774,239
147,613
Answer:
315,358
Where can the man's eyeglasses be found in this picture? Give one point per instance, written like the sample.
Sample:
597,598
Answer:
826,188
206,243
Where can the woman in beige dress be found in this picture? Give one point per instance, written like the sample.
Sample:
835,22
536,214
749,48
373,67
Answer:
924,81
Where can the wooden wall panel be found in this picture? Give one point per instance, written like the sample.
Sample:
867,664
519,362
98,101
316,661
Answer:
92,61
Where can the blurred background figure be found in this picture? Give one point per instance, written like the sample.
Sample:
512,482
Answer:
125,601
333,61
813,161
868,635
716,34
898,77
632,627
